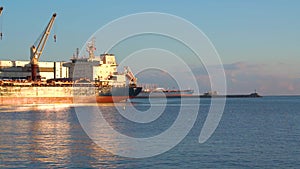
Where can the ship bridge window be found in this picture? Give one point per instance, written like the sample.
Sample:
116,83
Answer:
112,78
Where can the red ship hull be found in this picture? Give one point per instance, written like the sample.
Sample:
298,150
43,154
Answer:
61,100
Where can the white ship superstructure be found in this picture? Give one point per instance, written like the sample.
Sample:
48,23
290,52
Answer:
102,69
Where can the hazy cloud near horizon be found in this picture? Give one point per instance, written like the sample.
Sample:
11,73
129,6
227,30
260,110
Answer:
242,77
271,79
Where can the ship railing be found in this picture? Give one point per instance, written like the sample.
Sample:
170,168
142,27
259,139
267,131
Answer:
22,84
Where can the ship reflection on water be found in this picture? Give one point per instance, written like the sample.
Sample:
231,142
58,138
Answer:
48,136
34,107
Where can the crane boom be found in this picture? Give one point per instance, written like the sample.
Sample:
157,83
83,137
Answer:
36,52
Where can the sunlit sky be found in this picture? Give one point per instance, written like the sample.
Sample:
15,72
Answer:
258,41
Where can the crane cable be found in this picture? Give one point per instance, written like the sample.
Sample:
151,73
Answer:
1,20
54,36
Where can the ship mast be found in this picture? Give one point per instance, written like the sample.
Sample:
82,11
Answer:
36,52
91,48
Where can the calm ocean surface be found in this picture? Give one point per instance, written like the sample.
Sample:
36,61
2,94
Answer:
253,133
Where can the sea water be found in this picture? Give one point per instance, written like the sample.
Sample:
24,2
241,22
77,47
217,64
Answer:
253,133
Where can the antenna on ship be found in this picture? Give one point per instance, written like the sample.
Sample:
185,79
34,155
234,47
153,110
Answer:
77,53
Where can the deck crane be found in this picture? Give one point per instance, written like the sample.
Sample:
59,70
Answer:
130,76
36,51
1,9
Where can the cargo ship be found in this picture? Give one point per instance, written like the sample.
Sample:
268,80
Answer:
161,92
22,92
92,79
107,85
188,93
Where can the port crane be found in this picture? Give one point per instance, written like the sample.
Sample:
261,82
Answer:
37,50
130,76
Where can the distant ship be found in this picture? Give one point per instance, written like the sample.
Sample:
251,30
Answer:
214,94
89,80
161,92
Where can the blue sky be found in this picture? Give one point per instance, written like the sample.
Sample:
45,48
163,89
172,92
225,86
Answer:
258,40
